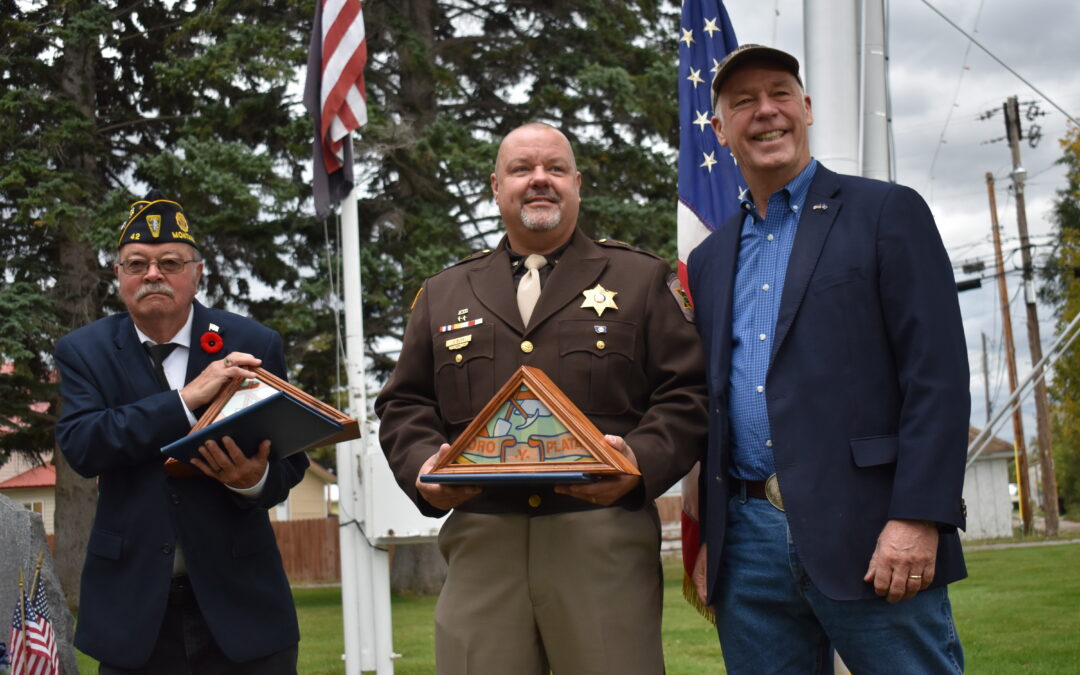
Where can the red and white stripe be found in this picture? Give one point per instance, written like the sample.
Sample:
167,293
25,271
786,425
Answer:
16,651
691,232
41,652
344,53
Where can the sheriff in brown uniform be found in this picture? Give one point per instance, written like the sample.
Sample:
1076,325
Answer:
566,578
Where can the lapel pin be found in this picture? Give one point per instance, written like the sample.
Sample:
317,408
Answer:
820,207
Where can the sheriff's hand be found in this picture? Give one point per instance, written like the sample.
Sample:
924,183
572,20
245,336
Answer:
606,490
441,496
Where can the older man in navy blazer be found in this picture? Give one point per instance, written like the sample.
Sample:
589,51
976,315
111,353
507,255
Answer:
182,571
839,403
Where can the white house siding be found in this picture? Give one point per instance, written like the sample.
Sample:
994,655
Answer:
986,493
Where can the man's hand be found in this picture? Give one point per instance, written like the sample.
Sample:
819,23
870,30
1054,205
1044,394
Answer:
607,489
231,466
441,496
903,562
205,387
700,575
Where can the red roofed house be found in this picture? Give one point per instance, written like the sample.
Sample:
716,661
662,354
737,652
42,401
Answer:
34,487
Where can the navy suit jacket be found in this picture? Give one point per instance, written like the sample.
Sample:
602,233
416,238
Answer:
114,421
867,387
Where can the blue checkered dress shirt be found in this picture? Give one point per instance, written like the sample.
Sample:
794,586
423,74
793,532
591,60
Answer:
764,250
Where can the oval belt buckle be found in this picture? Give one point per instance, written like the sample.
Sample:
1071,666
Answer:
772,492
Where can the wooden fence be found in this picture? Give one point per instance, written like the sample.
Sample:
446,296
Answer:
309,549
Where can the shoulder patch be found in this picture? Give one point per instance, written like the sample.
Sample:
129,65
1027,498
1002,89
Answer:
615,243
681,298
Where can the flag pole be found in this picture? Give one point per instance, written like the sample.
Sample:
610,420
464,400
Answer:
368,574
22,613
37,575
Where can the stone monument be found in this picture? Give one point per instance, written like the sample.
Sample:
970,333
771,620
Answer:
22,538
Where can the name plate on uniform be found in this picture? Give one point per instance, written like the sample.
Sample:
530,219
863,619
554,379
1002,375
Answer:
529,432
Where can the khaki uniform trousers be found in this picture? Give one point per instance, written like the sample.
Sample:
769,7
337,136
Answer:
579,593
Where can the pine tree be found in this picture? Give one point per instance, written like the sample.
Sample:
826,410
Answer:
100,101
103,99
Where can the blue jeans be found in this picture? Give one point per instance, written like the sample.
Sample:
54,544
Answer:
772,619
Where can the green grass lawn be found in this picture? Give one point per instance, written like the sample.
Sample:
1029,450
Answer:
1018,612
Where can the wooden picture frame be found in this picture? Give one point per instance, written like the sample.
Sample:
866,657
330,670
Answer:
240,387
580,448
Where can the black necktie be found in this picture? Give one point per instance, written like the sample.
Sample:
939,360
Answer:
158,353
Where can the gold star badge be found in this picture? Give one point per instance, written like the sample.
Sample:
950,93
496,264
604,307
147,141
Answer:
599,298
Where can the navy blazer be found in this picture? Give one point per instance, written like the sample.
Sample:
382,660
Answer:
867,387
114,421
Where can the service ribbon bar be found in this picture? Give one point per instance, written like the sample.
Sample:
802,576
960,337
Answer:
458,326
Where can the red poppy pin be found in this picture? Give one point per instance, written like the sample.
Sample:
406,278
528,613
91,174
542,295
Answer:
211,342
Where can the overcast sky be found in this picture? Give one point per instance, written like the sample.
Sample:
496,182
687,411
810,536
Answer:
935,70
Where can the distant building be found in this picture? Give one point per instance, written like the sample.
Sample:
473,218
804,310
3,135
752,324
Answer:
986,491
34,487
35,490
310,498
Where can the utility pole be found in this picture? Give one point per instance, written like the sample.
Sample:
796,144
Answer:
1023,490
986,379
1042,403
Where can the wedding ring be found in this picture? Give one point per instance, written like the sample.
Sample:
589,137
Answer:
914,576
228,362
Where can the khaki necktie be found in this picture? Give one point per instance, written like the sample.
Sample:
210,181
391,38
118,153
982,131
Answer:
528,291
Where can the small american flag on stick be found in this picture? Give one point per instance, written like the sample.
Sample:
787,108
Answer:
32,646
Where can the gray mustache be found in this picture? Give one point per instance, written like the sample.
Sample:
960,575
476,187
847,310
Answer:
153,287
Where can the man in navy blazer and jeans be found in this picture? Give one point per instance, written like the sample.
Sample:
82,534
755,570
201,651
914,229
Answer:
839,403
182,571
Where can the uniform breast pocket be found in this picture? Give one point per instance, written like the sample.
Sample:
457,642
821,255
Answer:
464,372
596,365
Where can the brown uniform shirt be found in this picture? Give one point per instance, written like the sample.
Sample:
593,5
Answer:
646,383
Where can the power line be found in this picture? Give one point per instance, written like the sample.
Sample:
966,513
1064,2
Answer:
1003,64
956,95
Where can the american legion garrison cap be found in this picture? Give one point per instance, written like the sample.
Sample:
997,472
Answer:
156,220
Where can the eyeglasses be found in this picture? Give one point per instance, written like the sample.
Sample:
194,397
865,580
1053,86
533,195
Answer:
138,267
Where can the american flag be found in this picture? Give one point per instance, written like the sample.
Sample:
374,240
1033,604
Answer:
710,186
16,651
32,646
334,95
709,181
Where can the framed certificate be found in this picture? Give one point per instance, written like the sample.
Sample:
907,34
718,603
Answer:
529,432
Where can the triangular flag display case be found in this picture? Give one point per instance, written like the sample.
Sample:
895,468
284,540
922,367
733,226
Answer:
529,432
250,410
240,393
